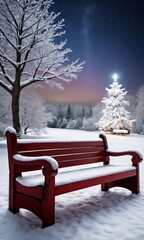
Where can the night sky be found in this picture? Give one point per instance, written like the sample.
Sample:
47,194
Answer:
109,36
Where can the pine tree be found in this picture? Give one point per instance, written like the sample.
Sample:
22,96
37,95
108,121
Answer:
69,113
60,116
90,111
140,110
83,112
115,116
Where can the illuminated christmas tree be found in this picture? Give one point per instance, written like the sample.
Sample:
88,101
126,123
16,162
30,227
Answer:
115,117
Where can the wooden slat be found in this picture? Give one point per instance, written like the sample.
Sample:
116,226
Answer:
52,145
73,156
58,151
67,153
82,161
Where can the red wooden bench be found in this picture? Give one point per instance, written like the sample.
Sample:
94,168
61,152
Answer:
73,165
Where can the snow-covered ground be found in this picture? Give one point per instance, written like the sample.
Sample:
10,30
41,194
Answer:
85,214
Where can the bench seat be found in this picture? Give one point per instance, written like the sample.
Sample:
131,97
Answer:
68,176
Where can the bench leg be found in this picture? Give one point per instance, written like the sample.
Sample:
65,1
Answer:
12,201
48,204
131,183
13,210
105,187
48,214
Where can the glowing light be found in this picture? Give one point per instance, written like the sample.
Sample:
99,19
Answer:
115,77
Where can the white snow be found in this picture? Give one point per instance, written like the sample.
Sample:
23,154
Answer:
10,129
123,131
86,214
75,174
49,159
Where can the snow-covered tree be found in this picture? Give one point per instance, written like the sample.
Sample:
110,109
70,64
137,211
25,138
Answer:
90,113
83,112
94,115
32,112
132,105
29,51
89,124
140,110
5,110
69,113
60,116
51,120
115,115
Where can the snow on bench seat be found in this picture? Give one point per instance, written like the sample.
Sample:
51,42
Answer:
75,175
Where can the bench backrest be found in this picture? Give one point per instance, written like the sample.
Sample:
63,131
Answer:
67,153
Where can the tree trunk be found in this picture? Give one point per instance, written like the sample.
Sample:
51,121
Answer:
15,113
15,99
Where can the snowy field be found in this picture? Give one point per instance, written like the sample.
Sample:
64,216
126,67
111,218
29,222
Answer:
81,215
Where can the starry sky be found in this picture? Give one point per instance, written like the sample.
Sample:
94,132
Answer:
109,36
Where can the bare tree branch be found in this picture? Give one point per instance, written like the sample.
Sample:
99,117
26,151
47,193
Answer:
11,13
6,87
5,74
7,39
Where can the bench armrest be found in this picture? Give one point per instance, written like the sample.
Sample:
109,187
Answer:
136,156
48,164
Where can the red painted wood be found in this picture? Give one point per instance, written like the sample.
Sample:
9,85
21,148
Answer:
77,162
58,145
94,181
36,192
58,151
41,199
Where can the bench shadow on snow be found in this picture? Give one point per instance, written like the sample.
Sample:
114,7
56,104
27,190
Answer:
93,205
71,209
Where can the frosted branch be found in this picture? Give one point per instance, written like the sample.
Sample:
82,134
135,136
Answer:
6,87
11,13
30,45
7,39
5,56
5,74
